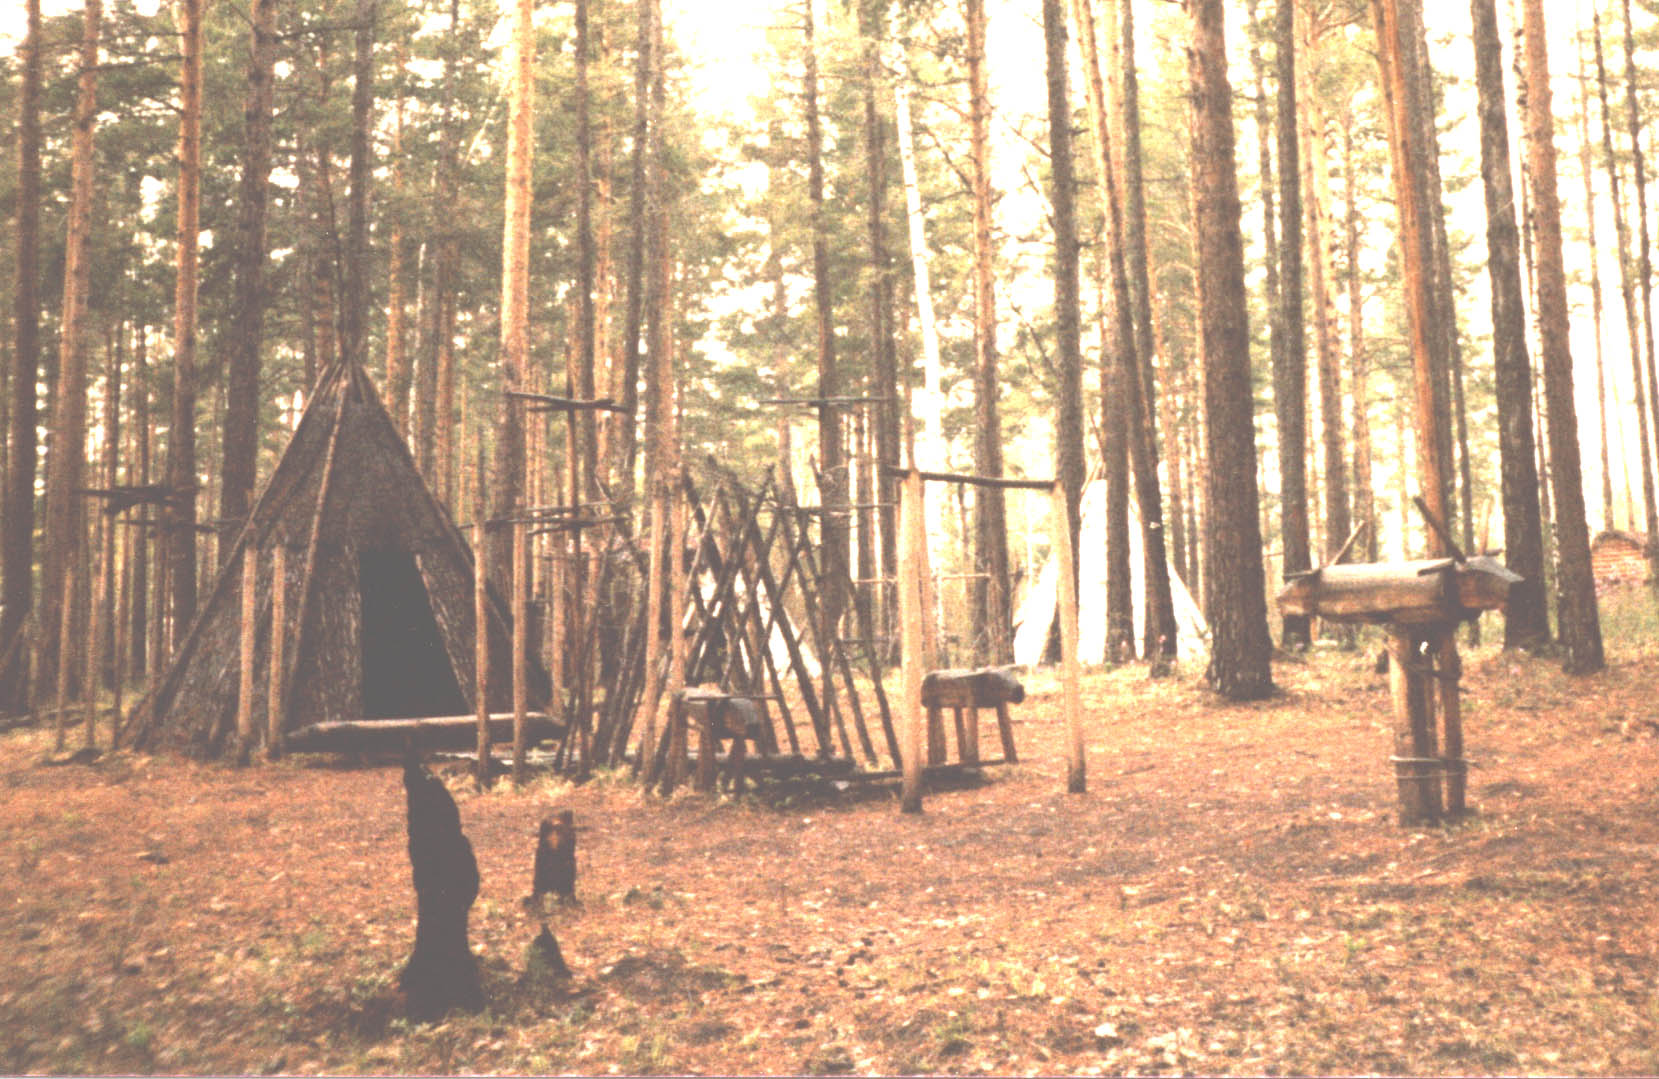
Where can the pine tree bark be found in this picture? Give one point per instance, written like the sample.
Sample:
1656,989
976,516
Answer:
1597,309
138,471
992,596
1644,271
1627,285
885,384
181,437
1290,368
1397,23
1580,625
1063,202
1365,502
241,427
18,527
587,457
1241,648
627,442
507,478
396,387
832,452
65,533
354,314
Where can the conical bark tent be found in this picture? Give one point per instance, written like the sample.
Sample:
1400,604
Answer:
378,613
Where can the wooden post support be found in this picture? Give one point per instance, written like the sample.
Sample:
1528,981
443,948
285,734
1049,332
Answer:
66,637
250,634
521,642
1415,772
912,544
1449,671
94,655
653,632
481,649
556,642
1070,674
275,705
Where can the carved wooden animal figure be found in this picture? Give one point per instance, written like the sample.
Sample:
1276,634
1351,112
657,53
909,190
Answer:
555,866
442,973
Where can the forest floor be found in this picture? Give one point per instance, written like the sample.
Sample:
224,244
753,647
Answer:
1232,895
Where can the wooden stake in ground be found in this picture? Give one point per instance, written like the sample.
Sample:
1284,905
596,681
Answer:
275,705
521,643
250,630
481,642
94,660
66,628
1070,674
912,540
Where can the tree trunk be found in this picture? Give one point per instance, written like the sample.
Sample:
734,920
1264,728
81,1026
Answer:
1587,174
138,632
65,533
1290,369
1397,22
1644,271
627,442
587,457
1365,502
1627,288
354,312
17,528
1241,648
1063,200
992,596
181,437
1580,625
885,379
507,479
396,387
241,430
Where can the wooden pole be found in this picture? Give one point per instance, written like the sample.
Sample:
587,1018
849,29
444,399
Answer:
275,705
250,628
94,654
521,641
481,647
1415,775
66,634
653,630
556,641
912,542
1449,672
1070,675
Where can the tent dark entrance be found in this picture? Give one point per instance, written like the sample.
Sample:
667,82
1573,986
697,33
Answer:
378,615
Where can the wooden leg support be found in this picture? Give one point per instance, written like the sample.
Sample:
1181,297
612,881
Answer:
1005,728
935,736
970,744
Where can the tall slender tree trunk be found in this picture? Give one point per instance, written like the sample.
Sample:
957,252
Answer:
181,436
354,312
587,459
1627,291
110,475
1587,174
1365,501
1644,272
396,388
1397,23
18,503
241,430
1063,201
1580,624
1241,649
639,217
992,599
65,533
885,384
507,480
138,472
1290,369
832,452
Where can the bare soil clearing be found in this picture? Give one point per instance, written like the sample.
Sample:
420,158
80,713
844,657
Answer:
1232,895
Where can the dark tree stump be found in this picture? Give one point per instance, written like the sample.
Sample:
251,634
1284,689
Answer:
442,974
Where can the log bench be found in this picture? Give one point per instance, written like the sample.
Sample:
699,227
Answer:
965,692
717,716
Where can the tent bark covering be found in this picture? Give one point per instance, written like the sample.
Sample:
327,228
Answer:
379,614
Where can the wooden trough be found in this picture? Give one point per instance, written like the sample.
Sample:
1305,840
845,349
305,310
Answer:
1420,603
